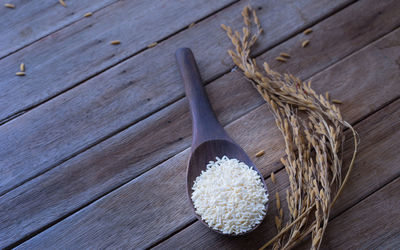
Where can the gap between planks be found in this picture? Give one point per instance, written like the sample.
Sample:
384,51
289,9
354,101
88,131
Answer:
23,111
178,98
359,202
16,115
357,199
284,38
54,31
282,168
358,121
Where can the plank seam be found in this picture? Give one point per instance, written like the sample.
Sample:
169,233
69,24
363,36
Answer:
388,103
366,196
167,105
116,132
100,196
284,39
183,227
217,76
282,168
113,133
54,31
33,106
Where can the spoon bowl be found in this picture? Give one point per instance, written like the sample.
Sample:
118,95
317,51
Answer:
210,140
208,151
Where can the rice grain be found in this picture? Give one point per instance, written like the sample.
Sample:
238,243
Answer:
115,42
260,153
62,3
9,5
307,31
305,43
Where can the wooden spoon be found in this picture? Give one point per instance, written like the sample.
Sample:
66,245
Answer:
209,138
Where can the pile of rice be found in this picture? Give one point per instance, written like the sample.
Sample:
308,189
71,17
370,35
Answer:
229,196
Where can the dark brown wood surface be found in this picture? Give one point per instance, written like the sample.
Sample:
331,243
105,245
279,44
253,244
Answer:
95,138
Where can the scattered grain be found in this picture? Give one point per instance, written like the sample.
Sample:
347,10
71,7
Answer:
62,3
307,31
273,178
283,54
20,73
337,101
305,43
152,45
260,153
9,5
115,42
278,201
281,59
191,25
88,14
22,67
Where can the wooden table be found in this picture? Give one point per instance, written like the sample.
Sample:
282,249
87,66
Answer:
95,138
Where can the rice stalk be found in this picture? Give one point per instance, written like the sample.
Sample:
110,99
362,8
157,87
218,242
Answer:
312,129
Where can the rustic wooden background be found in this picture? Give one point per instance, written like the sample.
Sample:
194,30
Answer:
94,139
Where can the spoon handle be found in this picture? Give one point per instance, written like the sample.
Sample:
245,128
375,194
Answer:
205,124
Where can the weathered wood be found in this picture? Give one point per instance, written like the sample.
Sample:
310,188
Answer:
116,99
371,224
81,50
124,156
130,200
32,20
377,135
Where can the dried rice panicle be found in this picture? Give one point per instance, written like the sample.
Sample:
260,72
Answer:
312,142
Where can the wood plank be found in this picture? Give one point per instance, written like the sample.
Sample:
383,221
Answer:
81,50
377,135
32,20
371,224
171,207
116,99
128,154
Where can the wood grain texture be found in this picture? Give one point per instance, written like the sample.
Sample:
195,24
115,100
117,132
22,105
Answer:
128,154
81,50
371,224
32,20
366,178
128,200
123,95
